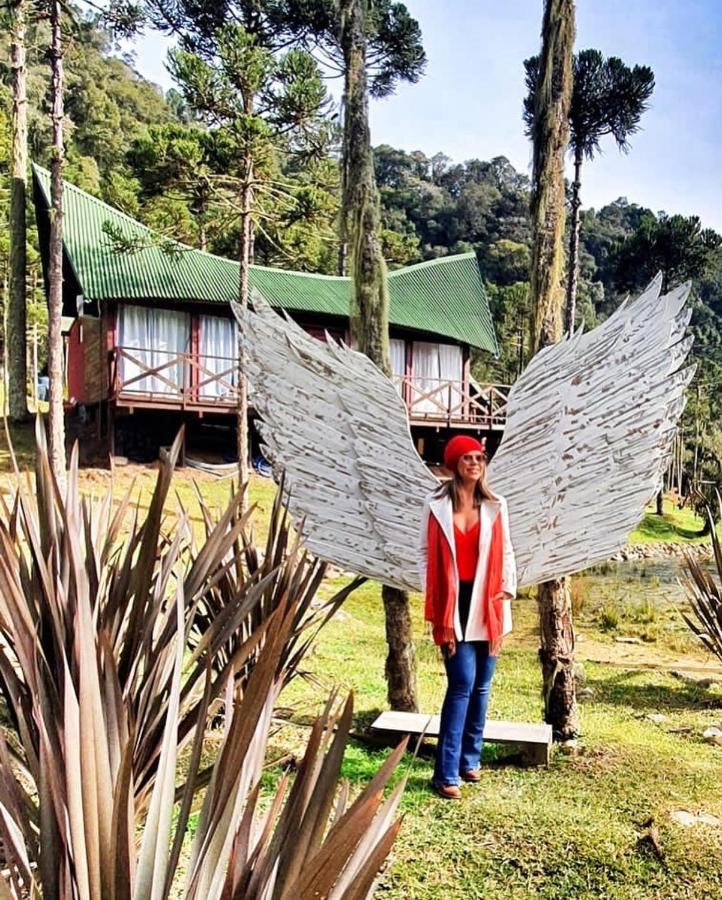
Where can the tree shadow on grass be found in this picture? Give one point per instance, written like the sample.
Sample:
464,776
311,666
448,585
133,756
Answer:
664,528
620,690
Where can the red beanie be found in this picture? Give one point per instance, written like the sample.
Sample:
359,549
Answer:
458,446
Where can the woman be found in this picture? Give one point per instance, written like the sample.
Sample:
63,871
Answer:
468,569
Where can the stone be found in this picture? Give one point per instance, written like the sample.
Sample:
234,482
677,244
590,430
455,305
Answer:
657,718
628,640
684,818
708,819
688,819
571,747
586,692
712,735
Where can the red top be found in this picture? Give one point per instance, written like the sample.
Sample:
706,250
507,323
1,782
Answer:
467,551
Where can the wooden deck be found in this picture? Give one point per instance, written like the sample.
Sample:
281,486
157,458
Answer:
533,740
189,382
181,381
454,404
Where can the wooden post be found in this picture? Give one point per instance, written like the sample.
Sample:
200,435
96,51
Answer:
35,366
111,431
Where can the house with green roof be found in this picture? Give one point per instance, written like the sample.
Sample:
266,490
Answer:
153,337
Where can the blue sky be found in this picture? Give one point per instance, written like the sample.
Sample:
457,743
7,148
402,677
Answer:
468,104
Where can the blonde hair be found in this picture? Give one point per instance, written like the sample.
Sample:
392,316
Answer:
482,491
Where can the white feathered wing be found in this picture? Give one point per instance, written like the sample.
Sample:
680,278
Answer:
589,430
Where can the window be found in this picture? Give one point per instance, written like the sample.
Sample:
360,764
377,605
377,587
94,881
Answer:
152,339
218,350
433,367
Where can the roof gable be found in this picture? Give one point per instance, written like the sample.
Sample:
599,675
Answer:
444,297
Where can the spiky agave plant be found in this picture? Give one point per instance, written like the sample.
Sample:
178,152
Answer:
103,689
704,593
270,568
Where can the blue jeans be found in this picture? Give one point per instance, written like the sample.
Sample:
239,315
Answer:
461,731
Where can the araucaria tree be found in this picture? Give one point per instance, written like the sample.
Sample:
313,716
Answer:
550,135
361,232
360,226
263,100
608,98
360,208
385,41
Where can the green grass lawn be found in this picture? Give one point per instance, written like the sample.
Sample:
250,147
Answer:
676,526
572,830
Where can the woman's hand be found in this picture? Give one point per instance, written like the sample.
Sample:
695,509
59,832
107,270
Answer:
448,649
495,646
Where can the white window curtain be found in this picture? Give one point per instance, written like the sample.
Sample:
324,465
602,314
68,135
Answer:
425,371
153,337
218,356
397,350
433,366
451,363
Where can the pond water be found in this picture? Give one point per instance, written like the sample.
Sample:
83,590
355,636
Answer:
635,598
638,581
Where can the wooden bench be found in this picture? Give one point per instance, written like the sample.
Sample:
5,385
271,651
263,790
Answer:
533,741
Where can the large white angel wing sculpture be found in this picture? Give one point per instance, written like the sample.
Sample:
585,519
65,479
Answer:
589,430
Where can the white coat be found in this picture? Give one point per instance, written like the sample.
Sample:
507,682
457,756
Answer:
442,509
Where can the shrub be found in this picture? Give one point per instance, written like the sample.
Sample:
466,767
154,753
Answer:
609,617
704,595
119,642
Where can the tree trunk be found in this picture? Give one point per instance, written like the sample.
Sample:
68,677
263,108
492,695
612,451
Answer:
550,138
360,233
557,657
56,423
17,300
573,275
342,253
401,657
244,257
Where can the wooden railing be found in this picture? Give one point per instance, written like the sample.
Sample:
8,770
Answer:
189,381
454,403
179,380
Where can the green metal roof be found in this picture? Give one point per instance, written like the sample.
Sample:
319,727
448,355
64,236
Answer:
444,296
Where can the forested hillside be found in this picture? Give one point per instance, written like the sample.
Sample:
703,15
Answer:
143,152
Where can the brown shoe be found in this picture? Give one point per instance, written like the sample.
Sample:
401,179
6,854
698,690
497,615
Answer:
471,775
446,791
